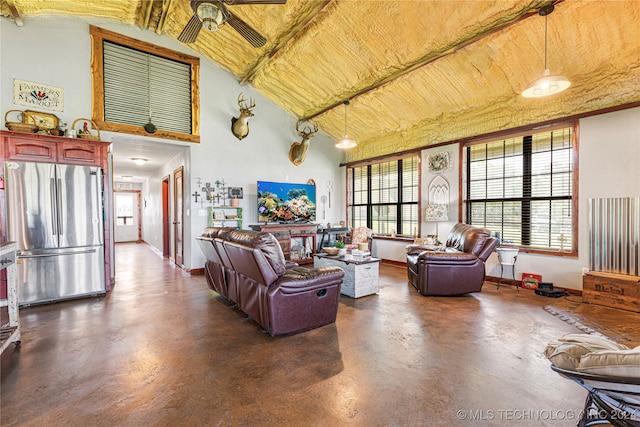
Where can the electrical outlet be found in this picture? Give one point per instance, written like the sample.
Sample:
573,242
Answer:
585,270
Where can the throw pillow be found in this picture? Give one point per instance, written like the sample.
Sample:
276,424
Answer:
565,353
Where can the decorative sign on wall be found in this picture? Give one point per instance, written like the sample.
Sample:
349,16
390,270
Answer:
38,95
438,162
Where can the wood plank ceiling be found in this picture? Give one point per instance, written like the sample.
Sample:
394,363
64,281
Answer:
416,72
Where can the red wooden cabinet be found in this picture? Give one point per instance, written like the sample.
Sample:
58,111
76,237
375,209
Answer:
53,149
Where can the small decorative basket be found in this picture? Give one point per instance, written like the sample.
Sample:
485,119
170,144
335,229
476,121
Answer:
20,126
88,134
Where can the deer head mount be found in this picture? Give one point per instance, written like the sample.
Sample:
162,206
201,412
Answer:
298,150
240,125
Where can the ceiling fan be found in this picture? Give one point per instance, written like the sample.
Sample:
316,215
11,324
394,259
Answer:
213,14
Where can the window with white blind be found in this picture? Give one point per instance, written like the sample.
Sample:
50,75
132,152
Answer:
522,188
385,196
136,83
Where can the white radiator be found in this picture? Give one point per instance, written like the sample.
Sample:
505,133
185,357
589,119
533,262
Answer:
614,235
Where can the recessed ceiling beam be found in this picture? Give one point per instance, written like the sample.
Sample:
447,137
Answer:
143,14
293,32
151,14
426,61
14,13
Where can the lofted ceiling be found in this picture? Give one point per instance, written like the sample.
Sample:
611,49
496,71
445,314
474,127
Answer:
416,72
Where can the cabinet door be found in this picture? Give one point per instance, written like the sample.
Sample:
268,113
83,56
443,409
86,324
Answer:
79,153
31,150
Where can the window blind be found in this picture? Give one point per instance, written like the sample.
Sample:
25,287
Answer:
384,196
521,187
136,80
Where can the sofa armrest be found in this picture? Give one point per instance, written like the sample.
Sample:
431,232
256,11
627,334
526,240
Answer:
447,257
416,249
290,264
299,279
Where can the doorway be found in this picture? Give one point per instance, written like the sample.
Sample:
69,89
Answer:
128,216
178,222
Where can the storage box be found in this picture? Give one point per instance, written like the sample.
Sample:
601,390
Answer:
612,290
530,280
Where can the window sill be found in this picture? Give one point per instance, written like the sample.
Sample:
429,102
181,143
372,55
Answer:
539,251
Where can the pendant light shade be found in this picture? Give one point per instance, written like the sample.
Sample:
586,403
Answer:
345,141
547,84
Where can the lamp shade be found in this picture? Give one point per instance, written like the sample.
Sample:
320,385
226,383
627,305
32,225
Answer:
546,85
436,213
345,141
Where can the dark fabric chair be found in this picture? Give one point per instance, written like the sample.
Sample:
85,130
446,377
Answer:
458,268
248,268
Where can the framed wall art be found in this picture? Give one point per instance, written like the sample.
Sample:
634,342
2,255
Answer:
38,95
438,162
234,192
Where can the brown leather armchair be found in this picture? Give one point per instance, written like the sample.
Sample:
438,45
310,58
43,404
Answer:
456,269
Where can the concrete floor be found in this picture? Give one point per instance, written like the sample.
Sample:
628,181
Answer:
162,349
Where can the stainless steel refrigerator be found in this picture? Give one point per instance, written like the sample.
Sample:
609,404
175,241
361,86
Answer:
55,216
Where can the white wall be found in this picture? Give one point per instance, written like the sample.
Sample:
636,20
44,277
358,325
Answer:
56,51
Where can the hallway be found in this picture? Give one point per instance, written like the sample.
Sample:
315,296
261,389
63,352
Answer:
161,349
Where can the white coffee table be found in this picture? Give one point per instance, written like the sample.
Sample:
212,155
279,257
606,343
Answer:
361,278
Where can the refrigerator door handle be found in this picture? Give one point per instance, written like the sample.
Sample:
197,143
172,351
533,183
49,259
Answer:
26,255
59,198
54,208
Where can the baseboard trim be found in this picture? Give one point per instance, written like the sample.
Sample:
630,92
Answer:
394,262
518,283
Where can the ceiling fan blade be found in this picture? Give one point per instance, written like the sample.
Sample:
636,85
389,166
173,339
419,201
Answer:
246,31
239,2
191,30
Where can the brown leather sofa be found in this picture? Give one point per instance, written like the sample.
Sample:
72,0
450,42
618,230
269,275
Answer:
458,268
248,268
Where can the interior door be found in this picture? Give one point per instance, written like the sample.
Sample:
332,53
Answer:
178,215
166,218
126,213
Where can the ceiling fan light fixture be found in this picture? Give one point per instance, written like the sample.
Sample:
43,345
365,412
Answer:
345,141
210,15
547,84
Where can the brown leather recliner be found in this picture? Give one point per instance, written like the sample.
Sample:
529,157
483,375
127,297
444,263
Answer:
457,269
249,269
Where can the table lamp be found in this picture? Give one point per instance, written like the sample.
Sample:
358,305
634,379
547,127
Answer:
436,213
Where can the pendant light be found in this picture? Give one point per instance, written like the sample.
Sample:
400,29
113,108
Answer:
547,84
345,142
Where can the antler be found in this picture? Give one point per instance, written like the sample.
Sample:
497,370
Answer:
243,106
306,132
